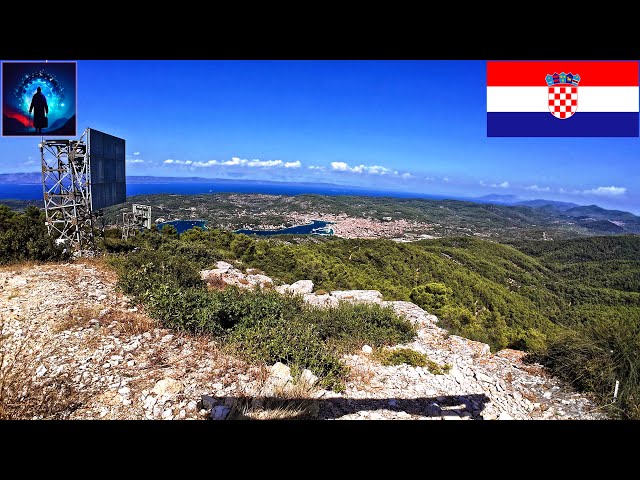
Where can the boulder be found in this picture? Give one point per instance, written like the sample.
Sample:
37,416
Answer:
224,266
366,349
321,300
301,287
307,378
358,296
167,385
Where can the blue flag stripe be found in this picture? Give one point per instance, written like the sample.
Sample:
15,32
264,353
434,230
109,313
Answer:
581,124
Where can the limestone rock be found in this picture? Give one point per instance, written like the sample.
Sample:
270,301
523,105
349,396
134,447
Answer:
321,300
366,349
224,266
167,386
308,378
357,296
302,286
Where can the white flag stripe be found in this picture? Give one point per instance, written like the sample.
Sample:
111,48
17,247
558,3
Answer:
536,99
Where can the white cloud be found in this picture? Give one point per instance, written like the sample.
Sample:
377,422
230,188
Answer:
406,175
178,162
135,160
445,179
340,166
315,167
236,162
536,188
504,184
136,153
264,163
370,169
606,191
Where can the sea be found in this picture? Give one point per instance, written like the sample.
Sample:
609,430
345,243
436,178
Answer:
34,191
317,227
184,225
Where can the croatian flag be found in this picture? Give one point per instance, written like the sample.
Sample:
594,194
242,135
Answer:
562,99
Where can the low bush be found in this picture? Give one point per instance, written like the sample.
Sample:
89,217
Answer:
595,356
400,356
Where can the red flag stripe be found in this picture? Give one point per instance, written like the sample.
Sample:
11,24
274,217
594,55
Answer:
592,74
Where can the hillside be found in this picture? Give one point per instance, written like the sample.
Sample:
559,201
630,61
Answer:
381,217
98,358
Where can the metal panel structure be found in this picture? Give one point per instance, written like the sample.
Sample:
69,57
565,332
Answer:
66,191
79,179
108,173
139,217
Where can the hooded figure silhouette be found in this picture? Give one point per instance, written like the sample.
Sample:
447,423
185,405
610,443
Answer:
39,107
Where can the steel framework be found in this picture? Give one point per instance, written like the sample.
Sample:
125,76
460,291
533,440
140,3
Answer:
139,217
66,187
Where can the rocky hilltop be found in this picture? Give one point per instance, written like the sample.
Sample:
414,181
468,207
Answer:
79,344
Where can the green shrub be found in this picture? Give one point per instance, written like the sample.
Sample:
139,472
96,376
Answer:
350,326
400,356
24,236
295,343
431,297
595,356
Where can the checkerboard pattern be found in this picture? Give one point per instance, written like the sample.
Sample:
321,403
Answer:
563,101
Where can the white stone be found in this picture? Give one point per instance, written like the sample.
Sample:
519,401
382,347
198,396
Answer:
320,300
106,365
224,266
124,391
167,414
131,363
504,416
366,349
457,375
126,401
308,378
483,378
358,296
41,370
167,338
281,371
167,386
302,287
547,394
282,289
192,406
149,402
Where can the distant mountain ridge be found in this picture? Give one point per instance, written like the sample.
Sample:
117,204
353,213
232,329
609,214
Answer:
592,217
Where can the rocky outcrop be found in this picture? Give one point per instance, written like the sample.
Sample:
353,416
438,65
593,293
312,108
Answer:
123,365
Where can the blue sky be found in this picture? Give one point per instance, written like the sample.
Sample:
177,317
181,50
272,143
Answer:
417,126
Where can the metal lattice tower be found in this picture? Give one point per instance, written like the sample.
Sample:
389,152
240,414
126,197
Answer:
139,217
66,190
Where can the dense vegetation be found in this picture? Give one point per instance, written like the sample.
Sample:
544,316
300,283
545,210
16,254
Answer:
23,236
574,304
258,325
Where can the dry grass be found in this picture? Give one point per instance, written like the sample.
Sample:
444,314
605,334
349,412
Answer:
22,394
289,402
360,374
215,282
243,281
20,267
78,316
130,323
254,271
100,264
